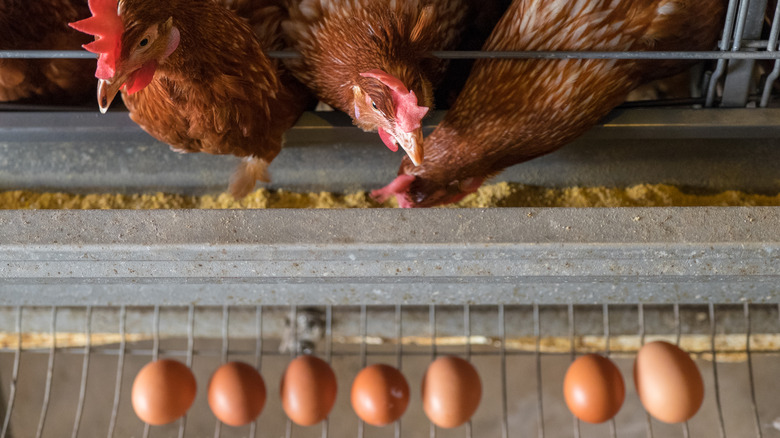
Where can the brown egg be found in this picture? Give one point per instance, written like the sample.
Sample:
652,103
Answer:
163,391
308,390
668,382
236,393
451,391
380,394
593,388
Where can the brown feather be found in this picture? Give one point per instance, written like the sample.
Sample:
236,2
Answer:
42,25
340,39
511,111
218,92
424,22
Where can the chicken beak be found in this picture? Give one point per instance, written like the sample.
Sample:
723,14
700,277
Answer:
412,143
106,92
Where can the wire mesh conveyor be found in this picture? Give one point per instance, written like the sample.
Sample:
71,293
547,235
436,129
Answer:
83,359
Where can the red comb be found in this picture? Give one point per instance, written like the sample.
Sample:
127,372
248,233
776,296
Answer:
407,114
107,28
398,187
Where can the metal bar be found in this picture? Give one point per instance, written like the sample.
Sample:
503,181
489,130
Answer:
605,319
225,332
190,348
224,355
677,324
502,361
49,374
751,379
739,30
363,362
572,357
119,371
770,80
90,126
363,334
84,371
14,374
156,333
537,354
293,354
740,78
728,28
607,55
44,54
715,371
328,333
190,333
771,45
399,347
258,358
467,329
641,317
678,336
774,32
468,54
432,321
294,350
328,357
155,350
216,353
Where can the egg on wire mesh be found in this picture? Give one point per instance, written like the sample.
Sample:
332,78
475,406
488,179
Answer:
308,390
593,388
668,382
380,394
451,391
163,391
236,393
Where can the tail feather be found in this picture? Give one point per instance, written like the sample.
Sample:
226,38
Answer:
251,170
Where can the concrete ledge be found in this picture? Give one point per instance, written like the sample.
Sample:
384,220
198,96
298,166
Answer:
442,256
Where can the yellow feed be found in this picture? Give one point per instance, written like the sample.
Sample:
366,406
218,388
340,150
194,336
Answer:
495,195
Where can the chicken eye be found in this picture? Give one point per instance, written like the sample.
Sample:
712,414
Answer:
144,42
373,104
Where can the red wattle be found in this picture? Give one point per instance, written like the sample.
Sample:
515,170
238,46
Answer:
387,139
142,77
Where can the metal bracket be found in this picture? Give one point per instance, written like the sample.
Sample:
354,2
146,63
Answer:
740,77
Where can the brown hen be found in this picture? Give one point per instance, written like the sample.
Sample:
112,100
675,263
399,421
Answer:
511,111
195,75
370,59
43,25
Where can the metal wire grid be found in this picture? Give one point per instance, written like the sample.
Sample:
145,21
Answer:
500,417
738,43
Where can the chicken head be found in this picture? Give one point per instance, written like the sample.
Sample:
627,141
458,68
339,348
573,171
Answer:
414,189
129,54
382,102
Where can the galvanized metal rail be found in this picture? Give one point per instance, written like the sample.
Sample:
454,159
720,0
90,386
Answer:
480,54
86,152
